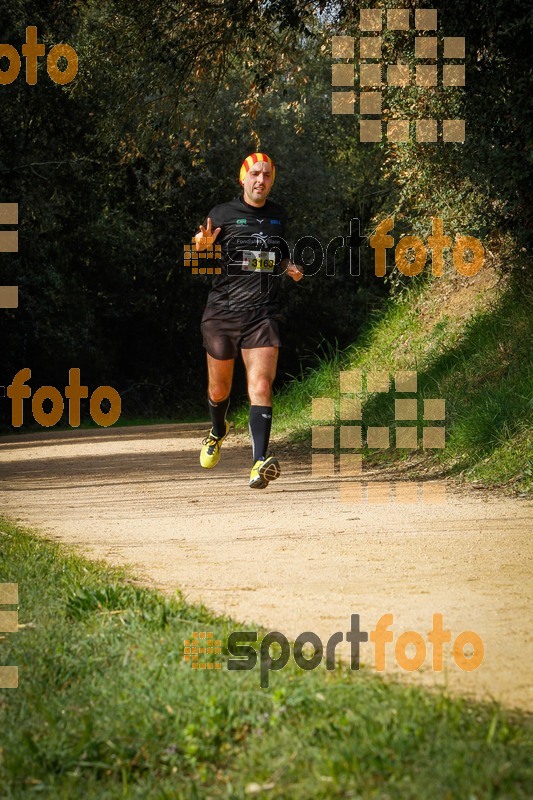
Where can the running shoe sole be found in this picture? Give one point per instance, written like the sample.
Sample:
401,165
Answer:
268,471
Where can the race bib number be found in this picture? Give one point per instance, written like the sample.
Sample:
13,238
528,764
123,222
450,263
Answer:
258,261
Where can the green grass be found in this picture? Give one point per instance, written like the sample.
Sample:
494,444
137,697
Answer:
478,359
107,708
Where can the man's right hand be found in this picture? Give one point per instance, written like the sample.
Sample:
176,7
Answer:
205,236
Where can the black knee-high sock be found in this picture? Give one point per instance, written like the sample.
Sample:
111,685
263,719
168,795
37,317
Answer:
260,424
218,415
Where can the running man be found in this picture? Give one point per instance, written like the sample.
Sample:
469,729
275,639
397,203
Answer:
242,310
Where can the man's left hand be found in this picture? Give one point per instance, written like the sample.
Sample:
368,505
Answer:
295,272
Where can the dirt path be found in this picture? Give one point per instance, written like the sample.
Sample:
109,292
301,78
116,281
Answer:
293,557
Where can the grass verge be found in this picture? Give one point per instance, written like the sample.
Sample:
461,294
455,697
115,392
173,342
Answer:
469,341
107,708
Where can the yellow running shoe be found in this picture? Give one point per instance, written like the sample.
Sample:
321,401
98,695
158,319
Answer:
263,471
210,452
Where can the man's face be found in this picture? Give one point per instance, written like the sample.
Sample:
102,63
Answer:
257,184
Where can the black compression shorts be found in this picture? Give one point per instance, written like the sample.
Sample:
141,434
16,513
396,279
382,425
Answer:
226,332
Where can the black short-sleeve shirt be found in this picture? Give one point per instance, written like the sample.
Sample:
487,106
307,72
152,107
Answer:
252,248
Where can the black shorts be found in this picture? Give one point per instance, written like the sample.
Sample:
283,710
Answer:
226,332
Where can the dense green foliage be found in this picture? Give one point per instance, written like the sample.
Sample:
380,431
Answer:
483,185
114,172
107,708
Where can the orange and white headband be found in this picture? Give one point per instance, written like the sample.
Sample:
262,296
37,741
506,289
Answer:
249,161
